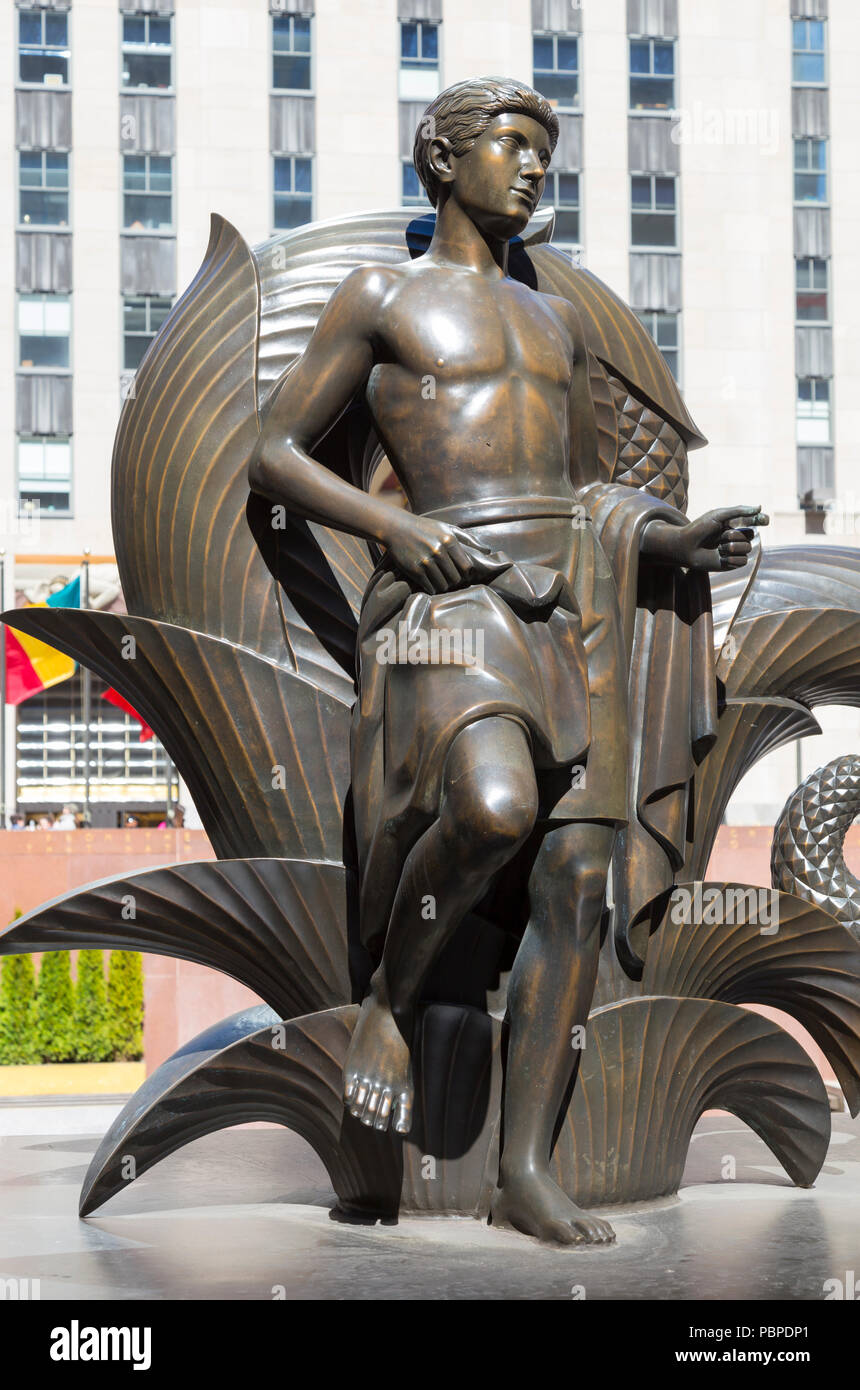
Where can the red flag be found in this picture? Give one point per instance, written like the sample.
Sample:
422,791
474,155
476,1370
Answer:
113,697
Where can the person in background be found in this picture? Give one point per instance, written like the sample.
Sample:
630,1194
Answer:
17,821
66,820
45,823
132,823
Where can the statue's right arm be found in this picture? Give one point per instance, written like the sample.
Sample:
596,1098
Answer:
308,401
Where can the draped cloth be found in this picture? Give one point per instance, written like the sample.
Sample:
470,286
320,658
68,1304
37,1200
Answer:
605,660
672,707
545,649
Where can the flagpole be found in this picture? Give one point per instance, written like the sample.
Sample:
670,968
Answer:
86,695
3,692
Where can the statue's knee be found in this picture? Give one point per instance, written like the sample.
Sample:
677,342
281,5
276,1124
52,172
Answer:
489,816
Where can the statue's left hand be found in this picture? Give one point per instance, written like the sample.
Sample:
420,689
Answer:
719,540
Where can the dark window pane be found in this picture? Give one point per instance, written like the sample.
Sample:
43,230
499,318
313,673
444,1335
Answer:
37,350
159,310
134,171
35,67
133,30
159,173
56,170
134,315
652,93
30,27
31,168
303,176
641,191
283,175
665,192
810,188
564,90
159,31
409,40
146,70
568,188
653,229
44,209
145,212
134,350
566,225
430,42
291,212
302,35
804,389
664,58
567,55
281,33
640,56
542,52
292,71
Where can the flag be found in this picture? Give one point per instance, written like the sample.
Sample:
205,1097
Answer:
113,697
31,665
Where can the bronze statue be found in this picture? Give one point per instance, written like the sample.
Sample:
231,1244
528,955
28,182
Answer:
466,710
478,388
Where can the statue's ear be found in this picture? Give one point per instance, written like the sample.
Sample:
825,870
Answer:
439,156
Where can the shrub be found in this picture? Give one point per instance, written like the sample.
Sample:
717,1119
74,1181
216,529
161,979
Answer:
55,1008
92,1043
17,1011
125,1005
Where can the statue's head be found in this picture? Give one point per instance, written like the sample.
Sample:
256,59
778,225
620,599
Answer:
487,143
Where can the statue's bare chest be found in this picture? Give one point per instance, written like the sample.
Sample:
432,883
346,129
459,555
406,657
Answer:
467,330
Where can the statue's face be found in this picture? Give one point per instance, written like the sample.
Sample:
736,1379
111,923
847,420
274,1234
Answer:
499,182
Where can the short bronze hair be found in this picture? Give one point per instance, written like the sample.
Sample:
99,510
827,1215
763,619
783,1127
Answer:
462,113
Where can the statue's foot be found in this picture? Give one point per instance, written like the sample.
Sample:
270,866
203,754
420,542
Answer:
377,1073
536,1206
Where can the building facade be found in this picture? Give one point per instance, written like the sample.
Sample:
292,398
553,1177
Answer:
706,169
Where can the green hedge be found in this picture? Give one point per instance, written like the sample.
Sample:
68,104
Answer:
58,1020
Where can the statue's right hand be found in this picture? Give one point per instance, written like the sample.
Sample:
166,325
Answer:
431,553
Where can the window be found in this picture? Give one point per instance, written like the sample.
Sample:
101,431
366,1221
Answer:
147,51
562,190
807,58
811,281
45,474
44,330
419,60
556,68
412,193
43,183
293,190
43,47
810,171
652,75
142,316
291,53
147,181
663,328
654,216
813,410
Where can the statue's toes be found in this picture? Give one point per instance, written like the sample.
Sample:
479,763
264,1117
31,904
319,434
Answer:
403,1113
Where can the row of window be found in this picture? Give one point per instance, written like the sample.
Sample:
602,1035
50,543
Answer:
45,324
44,53
147,57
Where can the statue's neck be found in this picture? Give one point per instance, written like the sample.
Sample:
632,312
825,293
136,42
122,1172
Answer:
458,242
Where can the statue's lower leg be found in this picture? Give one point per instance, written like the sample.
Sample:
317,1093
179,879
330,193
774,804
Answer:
550,993
487,811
